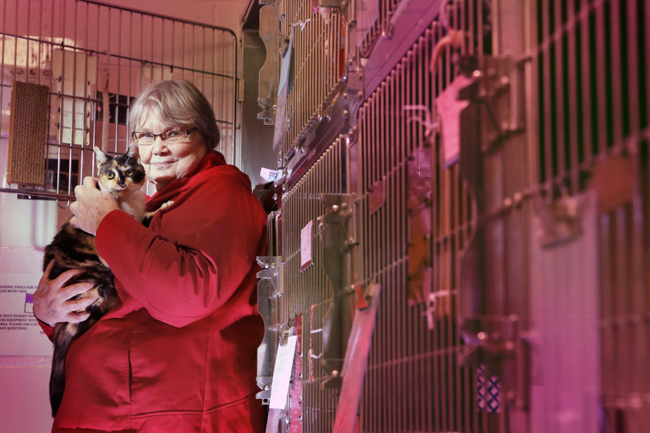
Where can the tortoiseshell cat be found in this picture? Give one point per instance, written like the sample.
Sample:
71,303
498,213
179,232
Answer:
72,248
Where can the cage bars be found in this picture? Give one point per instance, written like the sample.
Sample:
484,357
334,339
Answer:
74,31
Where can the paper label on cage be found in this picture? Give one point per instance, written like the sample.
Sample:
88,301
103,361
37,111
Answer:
282,374
449,108
377,196
305,246
354,367
613,179
268,175
295,390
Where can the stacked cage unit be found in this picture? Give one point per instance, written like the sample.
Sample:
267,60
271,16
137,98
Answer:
510,251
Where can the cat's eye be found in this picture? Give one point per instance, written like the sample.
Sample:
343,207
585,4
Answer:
110,175
129,172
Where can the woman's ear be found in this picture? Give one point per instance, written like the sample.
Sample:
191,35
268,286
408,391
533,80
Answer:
101,157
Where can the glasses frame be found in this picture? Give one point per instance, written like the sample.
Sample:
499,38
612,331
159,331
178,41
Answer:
163,136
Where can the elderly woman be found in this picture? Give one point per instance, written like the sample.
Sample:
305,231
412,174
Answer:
178,353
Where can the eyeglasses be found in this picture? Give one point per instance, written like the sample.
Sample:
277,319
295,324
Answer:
170,137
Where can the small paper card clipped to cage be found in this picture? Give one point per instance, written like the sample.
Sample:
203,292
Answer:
27,134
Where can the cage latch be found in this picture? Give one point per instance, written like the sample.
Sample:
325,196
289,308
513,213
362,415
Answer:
499,350
335,230
498,84
270,289
335,6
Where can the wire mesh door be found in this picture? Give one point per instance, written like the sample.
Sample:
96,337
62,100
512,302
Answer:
308,291
592,60
414,216
88,55
318,55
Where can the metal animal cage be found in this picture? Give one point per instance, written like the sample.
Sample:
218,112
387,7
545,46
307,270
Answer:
392,167
307,294
591,62
416,219
319,65
88,55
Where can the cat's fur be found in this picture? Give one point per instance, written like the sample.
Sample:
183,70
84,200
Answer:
73,248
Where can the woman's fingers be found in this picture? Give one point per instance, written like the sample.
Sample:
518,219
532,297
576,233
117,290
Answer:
54,302
91,206
87,298
66,276
77,316
77,307
76,289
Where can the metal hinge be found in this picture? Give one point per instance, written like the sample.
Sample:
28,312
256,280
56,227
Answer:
493,79
270,289
335,229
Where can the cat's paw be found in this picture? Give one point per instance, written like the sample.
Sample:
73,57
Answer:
166,204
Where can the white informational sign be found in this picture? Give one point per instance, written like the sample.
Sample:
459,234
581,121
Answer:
305,246
20,333
282,373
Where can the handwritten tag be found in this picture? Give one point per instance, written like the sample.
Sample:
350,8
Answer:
305,246
282,374
449,108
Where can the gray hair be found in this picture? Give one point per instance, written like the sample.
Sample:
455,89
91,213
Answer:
177,102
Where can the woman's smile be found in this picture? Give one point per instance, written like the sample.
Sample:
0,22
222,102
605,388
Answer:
164,162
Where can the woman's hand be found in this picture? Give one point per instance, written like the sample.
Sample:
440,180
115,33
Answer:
53,302
92,206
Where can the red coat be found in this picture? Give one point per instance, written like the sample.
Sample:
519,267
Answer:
179,353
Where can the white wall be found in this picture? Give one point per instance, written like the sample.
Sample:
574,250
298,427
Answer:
221,13
26,227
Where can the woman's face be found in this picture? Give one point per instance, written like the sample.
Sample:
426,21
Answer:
165,162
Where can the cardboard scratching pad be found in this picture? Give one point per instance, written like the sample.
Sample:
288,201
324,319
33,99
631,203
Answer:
27,134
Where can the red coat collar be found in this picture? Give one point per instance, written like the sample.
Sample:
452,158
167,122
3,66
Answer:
210,160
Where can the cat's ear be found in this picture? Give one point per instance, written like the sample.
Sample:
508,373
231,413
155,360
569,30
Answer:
101,157
133,151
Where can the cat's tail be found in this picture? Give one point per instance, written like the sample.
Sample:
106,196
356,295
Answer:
64,333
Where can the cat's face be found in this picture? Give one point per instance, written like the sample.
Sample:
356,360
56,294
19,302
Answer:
119,173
